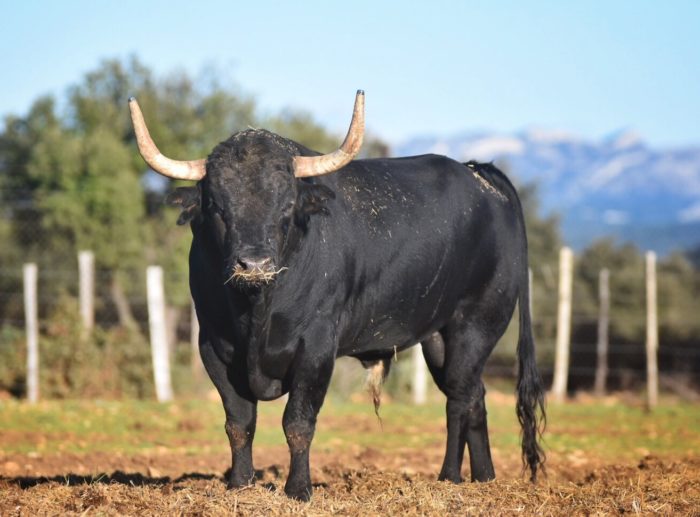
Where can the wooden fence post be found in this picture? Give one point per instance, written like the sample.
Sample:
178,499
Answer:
31,319
601,371
652,341
561,360
86,269
420,379
159,340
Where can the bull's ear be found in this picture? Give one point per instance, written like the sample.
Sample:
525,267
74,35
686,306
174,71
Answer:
311,198
190,199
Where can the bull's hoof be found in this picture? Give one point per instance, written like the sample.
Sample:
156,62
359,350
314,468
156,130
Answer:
240,481
453,477
300,492
483,477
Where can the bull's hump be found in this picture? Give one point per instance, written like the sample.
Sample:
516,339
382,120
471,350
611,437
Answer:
252,137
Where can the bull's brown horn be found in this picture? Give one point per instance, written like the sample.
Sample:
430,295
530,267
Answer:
180,170
305,166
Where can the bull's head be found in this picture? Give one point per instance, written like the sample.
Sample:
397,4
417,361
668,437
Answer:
252,192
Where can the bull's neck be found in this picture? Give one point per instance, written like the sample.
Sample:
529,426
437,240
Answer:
288,295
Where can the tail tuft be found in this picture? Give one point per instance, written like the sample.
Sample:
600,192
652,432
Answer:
531,415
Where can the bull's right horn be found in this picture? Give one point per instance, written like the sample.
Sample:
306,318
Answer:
180,170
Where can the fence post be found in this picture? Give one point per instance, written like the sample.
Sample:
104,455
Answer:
420,379
561,360
86,269
31,319
652,341
601,371
159,341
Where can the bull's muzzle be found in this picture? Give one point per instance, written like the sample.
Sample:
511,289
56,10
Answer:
255,271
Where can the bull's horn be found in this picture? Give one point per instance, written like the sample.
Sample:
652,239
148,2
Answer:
305,166
180,170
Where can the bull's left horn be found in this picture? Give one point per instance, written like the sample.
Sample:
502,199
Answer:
305,166
180,170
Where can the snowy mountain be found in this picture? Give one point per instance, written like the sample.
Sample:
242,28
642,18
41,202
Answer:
618,186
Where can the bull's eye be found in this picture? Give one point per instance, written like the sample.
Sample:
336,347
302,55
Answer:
284,225
214,208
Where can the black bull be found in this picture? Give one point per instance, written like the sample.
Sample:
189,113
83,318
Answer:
289,273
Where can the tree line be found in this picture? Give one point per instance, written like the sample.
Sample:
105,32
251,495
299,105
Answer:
71,178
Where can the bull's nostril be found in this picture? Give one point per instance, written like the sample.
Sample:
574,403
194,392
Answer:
255,263
254,271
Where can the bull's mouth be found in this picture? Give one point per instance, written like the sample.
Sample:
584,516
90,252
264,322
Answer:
253,276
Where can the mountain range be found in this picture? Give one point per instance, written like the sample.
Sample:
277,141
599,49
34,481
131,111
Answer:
618,186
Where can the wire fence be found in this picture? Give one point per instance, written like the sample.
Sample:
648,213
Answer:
125,303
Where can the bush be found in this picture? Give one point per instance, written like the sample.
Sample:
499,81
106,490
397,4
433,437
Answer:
13,360
73,363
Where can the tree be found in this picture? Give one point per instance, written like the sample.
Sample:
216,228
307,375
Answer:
678,295
627,295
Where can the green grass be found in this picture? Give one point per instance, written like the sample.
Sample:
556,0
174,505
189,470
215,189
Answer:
610,430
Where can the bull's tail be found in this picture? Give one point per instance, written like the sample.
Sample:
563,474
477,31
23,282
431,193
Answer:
530,403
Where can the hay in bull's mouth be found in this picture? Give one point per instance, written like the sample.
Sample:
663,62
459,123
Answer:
254,276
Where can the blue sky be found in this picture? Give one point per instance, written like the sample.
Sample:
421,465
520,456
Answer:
438,67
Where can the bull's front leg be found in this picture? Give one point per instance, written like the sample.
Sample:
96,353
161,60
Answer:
306,394
240,408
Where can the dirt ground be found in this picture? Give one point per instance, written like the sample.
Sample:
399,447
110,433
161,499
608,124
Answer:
362,482
603,458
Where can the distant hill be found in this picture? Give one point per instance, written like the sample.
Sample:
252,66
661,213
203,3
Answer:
615,187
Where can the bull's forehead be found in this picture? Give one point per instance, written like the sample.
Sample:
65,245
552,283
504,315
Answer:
255,162
246,151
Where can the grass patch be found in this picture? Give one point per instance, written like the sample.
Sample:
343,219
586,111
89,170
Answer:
609,429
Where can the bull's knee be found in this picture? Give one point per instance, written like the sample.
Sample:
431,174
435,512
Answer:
476,414
299,436
238,436
468,406
476,407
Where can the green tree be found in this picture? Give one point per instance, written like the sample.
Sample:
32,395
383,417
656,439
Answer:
627,295
679,300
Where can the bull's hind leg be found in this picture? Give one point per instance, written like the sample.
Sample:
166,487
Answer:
456,359
240,409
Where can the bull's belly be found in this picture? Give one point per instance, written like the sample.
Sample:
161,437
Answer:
385,336
400,325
